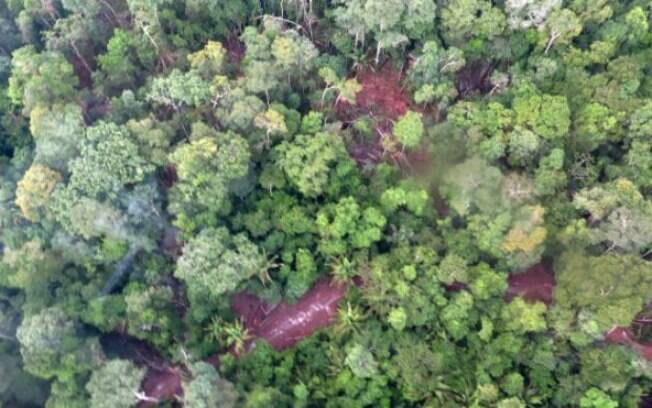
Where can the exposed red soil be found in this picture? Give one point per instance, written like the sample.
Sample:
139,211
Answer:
284,325
81,71
371,152
535,284
168,176
162,379
250,309
383,99
624,335
456,287
235,51
538,283
381,95
161,386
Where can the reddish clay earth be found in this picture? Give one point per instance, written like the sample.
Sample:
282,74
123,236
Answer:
538,283
235,51
383,99
381,96
535,284
284,325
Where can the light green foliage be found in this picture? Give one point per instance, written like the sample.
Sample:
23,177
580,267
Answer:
529,13
407,195
58,131
418,154
561,26
312,122
546,115
636,21
397,318
609,368
51,345
510,403
215,262
209,61
237,110
435,64
87,217
272,55
523,145
106,312
150,315
116,66
611,300
206,389
272,122
596,398
308,160
347,89
549,176
34,189
486,282
455,315
638,164
153,139
32,269
180,89
40,79
464,20
640,123
305,273
594,124
408,19
453,268
108,161
433,74
622,217
206,166
293,53
115,385
524,241
68,394
409,129
486,127
512,384
361,362
420,368
523,317
473,186
346,225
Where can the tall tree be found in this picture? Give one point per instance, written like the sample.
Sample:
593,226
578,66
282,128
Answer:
116,384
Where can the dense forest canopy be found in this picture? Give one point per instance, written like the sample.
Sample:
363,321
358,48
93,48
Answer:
325,203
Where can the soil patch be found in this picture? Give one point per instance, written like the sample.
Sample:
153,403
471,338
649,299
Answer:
535,284
382,95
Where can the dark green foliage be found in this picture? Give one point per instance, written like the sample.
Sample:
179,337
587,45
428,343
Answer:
162,163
